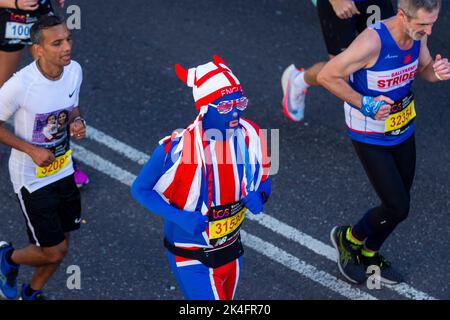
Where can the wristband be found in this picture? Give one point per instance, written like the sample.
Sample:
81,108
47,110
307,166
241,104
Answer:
80,119
370,107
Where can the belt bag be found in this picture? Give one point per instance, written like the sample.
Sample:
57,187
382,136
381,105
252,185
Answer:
212,258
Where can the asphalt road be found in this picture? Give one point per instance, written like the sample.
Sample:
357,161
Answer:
131,93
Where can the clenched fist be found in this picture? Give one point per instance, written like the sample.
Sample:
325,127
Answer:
41,156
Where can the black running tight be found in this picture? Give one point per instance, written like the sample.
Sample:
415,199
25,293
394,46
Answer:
391,172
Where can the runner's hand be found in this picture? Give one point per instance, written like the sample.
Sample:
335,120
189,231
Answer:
192,222
441,68
77,130
42,157
28,5
253,202
60,3
344,9
383,112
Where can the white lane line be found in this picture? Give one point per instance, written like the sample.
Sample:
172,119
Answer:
410,292
91,159
269,250
118,146
325,279
294,234
325,250
273,224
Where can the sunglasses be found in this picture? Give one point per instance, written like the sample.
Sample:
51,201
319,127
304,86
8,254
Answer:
226,106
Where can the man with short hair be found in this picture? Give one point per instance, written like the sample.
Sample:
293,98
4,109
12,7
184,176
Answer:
381,65
40,163
16,19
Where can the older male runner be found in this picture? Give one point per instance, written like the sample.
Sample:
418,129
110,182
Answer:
381,65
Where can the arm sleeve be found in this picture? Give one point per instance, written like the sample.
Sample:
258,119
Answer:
9,98
142,188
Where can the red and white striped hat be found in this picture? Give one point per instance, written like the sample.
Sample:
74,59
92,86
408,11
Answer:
209,81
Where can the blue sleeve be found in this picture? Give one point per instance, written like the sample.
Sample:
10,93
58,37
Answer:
142,188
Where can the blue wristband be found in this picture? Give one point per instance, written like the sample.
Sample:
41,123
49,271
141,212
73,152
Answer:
370,107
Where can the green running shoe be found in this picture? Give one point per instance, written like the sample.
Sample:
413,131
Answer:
349,256
388,274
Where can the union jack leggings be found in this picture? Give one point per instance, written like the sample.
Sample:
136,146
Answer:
199,282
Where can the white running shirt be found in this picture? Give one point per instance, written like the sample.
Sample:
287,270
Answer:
41,109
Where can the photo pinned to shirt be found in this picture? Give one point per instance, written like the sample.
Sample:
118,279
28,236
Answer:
51,127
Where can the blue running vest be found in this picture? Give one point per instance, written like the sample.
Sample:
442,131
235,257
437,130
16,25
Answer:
392,75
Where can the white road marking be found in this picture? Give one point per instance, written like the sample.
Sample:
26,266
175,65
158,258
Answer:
325,250
265,220
267,249
295,235
325,279
116,145
91,159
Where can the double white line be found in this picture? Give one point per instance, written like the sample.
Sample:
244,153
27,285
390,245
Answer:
261,246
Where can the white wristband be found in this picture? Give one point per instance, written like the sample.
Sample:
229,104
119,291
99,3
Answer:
79,118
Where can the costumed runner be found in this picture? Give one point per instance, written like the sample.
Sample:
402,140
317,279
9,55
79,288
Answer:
202,181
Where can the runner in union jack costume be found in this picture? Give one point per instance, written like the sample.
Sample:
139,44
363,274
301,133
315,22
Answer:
203,179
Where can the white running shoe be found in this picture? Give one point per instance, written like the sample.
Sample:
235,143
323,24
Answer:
293,96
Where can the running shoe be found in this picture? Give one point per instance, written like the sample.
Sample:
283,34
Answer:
37,295
81,178
349,256
293,95
8,273
388,274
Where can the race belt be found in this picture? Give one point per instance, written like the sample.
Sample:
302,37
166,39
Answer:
212,258
225,222
15,25
401,116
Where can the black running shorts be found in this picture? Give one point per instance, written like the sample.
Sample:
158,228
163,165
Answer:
11,47
19,22
340,33
51,211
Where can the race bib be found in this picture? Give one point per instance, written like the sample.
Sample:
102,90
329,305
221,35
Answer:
401,116
17,30
56,166
225,222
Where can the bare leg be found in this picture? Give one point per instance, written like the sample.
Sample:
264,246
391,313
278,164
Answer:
37,257
9,61
311,73
44,273
41,275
